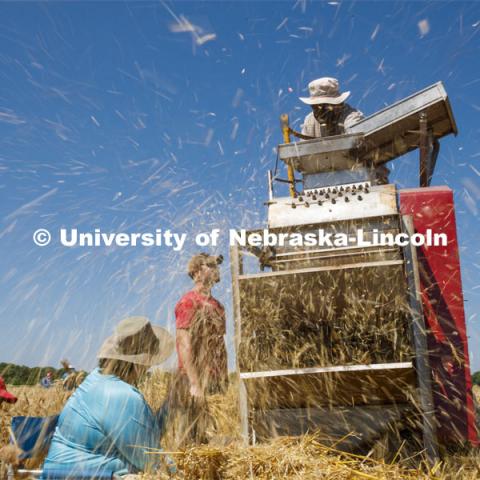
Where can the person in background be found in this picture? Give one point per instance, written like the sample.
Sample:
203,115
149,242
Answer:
70,378
9,454
106,426
68,369
331,115
47,381
5,395
202,355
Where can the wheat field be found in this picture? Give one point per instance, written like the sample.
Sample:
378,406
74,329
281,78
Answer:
226,458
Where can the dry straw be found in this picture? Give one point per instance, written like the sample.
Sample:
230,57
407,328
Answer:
226,458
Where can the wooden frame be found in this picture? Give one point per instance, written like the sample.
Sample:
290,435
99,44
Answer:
420,343
335,369
237,270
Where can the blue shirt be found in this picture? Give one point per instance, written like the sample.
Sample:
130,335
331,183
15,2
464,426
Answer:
45,382
105,425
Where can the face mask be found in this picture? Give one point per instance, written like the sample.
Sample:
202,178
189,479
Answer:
325,113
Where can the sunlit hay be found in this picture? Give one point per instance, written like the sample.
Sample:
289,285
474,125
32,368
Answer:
225,413
374,322
9,454
279,331
327,319
73,380
462,467
330,318
306,458
222,411
155,388
476,393
33,401
285,458
203,462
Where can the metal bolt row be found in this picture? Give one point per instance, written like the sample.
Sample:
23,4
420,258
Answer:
321,202
337,190
325,192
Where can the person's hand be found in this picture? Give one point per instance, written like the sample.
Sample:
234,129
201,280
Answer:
196,391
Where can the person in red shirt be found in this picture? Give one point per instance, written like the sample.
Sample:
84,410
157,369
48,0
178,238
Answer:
202,355
5,395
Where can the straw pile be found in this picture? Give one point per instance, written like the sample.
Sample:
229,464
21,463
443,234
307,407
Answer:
223,411
225,458
305,458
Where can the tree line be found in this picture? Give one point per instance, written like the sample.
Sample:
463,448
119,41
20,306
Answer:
23,375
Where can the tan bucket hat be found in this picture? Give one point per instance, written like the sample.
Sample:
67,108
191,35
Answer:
325,90
136,340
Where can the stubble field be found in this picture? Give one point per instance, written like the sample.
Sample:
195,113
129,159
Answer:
226,458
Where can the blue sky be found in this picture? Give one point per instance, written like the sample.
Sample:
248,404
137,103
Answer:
113,116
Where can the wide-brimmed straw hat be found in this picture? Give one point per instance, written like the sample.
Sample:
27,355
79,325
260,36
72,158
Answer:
6,395
136,340
325,90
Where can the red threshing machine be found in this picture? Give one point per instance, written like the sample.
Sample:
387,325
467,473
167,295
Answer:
358,340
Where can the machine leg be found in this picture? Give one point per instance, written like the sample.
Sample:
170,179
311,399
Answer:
243,403
421,350
424,150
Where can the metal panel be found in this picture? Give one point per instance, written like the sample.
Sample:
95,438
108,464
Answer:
343,428
388,134
339,256
420,101
442,297
380,201
345,178
394,131
332,153
329,268
287,255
